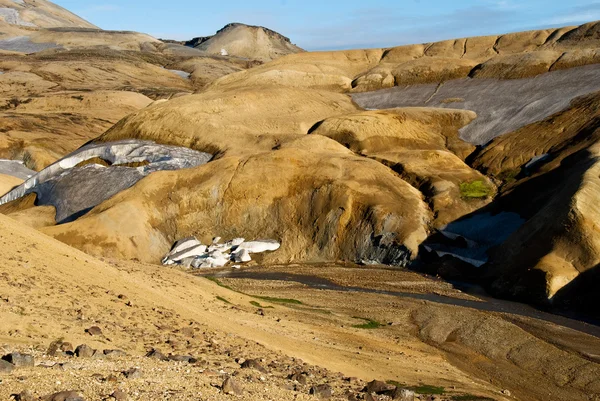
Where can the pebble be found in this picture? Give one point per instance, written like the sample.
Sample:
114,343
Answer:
403,394
156,354
322,391
6,367
19,360
379,387
84,351
94,331
298,377
114,353
64,396
231,386
119,395
24,396
66,347
133,373
254,364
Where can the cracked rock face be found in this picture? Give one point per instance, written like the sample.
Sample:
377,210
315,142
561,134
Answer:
96,172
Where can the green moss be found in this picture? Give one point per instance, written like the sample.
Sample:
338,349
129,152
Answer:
369,325
268,299
470,397
508,176
219,283
475,190
223,299
321,311
427,389
258,305
279,300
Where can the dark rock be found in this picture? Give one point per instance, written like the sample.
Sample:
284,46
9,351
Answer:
379,387
6,367
369,397
19,360
322,391
231,386
64,396
24,396
133,373
352,397
254,364
156,354
84,351
119,395
94,331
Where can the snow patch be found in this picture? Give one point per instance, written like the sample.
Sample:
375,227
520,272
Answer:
75,190
190,253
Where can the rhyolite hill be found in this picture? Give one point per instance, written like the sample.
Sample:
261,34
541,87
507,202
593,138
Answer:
472,158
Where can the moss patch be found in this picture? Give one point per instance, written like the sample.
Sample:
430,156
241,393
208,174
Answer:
427,389
369,325
267,299
219,283
470,397
258,305
278,300
223,300
475,190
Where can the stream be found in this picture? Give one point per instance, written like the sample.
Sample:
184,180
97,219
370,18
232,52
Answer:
484,303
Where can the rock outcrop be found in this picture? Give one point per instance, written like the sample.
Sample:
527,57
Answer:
322,201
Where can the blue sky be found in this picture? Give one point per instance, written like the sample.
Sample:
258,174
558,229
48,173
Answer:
333,24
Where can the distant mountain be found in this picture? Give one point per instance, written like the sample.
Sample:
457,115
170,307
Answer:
39,14
246,41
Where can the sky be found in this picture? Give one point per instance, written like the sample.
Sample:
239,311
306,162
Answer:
332,24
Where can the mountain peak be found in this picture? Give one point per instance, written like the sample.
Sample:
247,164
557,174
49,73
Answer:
246,41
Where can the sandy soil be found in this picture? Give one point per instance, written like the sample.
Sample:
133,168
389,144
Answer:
51,291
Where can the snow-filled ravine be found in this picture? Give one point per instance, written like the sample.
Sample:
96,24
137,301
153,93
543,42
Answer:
97,171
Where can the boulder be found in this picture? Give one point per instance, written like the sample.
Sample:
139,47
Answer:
19,360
